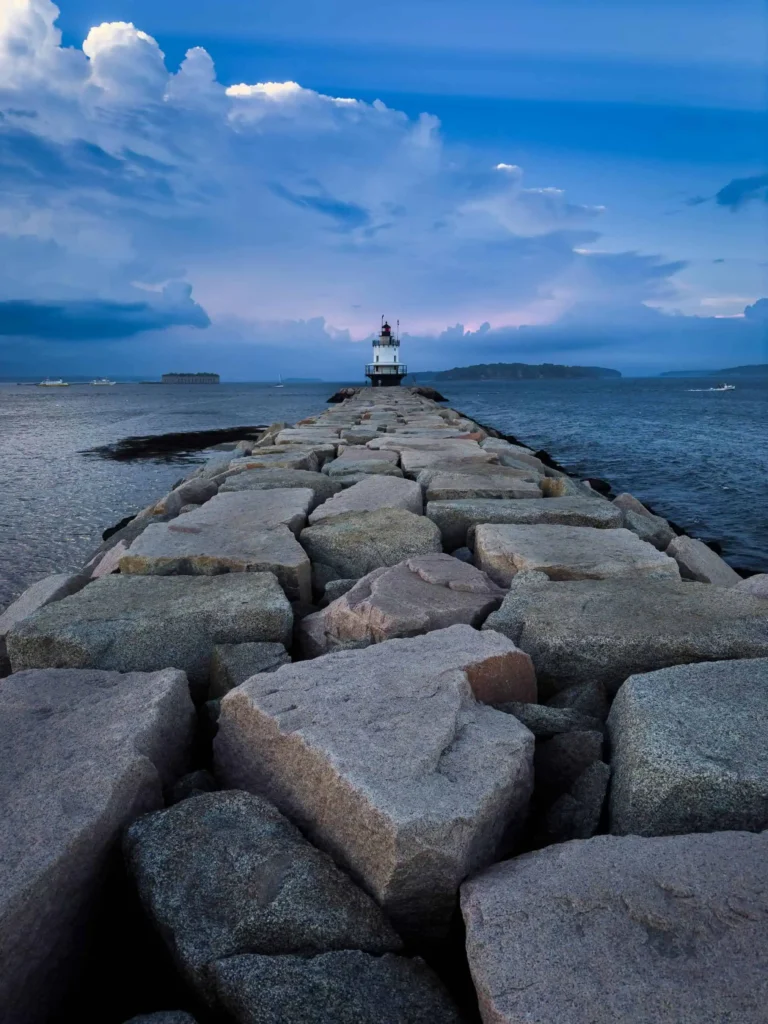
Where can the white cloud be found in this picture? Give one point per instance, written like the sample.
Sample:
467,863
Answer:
274,202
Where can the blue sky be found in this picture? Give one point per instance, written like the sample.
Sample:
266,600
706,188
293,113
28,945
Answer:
249,185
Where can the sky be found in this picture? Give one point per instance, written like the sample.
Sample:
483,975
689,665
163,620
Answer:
245,187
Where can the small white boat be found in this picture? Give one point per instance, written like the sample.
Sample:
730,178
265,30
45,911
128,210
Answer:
724,387
48,383
103,382
280,378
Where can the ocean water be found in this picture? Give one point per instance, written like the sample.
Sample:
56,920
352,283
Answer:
700,458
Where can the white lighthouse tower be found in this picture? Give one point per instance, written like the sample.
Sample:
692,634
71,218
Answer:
386,370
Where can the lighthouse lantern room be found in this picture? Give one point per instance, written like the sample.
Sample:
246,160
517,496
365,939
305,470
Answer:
386,370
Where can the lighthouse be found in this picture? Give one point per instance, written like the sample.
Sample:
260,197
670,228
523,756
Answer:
386,370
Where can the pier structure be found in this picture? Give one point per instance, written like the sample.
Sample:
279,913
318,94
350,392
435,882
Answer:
356,675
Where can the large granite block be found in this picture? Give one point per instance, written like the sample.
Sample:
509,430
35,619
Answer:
385,759
226,873
448,481
351,545
458,518
269,479
423,593
40,594
701,563
347,987
669,930
370,494
246,531
690,750
606,630
361,453
416,460
232,664
144,623
81,755
567,553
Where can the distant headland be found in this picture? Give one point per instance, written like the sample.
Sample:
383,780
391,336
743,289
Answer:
518,371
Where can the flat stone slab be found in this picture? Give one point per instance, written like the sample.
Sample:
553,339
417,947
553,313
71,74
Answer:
348,987
285,457
81,755
669,930
145,623
457,518
349,473
226,873
309,435
269,479
699,562
423,593
447,481
602,631
360,453
384,758
415,460
690,750
245,531
567,553
373,493
351,545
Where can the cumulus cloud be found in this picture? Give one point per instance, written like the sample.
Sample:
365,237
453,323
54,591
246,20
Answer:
267,202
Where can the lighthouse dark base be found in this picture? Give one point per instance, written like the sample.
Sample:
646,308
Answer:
385,380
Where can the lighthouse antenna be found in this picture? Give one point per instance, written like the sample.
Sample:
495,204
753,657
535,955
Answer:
398,330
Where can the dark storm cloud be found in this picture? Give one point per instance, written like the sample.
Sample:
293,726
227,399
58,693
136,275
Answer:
346,216
741,190
89,321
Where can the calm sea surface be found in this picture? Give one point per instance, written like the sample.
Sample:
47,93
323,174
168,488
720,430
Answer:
700,458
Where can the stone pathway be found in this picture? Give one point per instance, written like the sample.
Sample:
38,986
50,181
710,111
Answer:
352,679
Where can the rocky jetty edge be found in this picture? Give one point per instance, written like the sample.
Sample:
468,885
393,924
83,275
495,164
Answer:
383,719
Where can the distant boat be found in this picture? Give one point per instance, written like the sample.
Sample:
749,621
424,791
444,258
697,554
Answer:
103,381
725,387
48,383
280,385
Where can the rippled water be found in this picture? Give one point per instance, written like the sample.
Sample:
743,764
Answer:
700,458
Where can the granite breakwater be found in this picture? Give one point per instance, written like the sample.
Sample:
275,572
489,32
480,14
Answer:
382,718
